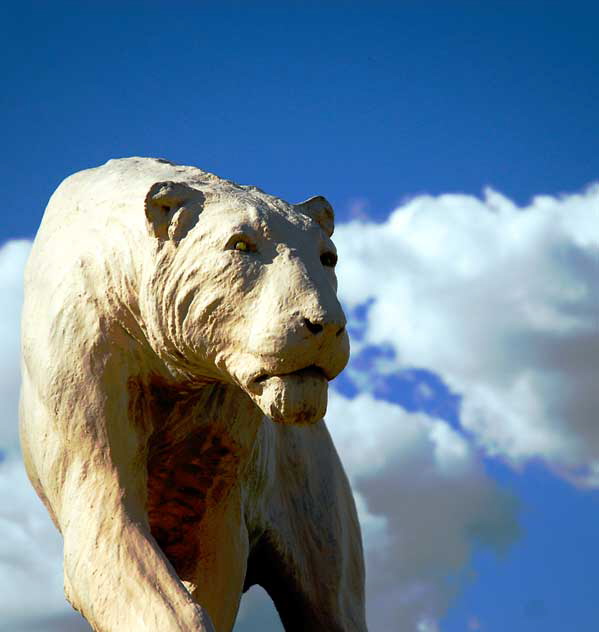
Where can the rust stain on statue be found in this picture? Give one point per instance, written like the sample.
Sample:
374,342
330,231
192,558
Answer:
185,477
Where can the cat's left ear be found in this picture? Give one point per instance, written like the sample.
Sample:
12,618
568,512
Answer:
319,209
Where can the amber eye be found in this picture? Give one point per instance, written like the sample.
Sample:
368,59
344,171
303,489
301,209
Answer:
241,245
328,259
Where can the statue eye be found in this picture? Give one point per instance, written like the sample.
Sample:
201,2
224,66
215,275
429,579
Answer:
241,245
328,259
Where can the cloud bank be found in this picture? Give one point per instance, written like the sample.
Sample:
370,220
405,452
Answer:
426,503
502,303
32,598
13,256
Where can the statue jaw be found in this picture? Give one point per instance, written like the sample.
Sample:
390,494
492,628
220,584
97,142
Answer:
299,397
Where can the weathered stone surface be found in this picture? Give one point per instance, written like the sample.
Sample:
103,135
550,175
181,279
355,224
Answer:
178,335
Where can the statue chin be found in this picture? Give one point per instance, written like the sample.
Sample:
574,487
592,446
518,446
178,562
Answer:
295,398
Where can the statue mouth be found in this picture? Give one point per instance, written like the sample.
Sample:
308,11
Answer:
311,371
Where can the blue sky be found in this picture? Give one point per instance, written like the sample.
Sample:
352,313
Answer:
371,105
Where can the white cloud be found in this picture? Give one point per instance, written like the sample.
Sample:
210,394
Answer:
412,474
425,503
30,558
66,622
503,303
13,255
257,612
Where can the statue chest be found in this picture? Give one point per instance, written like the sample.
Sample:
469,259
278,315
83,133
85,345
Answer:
186,480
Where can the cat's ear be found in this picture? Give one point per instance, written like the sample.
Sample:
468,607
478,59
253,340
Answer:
172,209
319,209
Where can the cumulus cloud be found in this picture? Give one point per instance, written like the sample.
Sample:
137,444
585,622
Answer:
502,303
422,497
425,503
13,256
257,612
32,598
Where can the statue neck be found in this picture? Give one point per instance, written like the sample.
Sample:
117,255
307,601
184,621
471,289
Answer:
219,413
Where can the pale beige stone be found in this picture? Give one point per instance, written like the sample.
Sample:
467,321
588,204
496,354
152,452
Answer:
170,318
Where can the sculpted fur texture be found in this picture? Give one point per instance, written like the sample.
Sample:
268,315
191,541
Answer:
179,332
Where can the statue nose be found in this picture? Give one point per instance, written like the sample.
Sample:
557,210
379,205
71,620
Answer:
316,328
